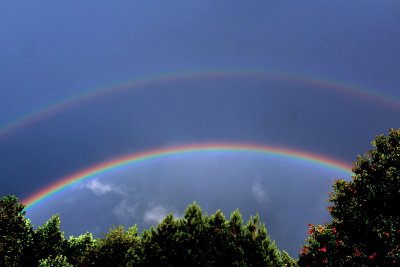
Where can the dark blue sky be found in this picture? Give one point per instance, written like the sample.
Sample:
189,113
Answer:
52,50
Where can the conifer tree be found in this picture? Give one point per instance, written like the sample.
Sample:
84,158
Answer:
201,240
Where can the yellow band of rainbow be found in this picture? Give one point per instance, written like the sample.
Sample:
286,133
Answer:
66,182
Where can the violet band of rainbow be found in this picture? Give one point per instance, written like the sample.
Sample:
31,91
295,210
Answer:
346,88
67,181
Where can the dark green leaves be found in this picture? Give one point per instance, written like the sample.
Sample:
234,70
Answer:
196,239
365,213
16,241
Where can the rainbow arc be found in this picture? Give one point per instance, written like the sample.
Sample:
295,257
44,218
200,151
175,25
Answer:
347,89
104,167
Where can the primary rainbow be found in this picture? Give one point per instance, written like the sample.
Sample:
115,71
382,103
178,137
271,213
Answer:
104,167
346,88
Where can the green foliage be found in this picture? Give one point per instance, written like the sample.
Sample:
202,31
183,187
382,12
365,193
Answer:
79,248
365,228
117,248
57,261
15,233
194,240
324,247
288,261
257,245
49,240
202,240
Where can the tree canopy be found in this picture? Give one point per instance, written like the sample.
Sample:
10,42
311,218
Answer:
365,227
196,239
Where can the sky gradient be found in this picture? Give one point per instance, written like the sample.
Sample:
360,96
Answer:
86,83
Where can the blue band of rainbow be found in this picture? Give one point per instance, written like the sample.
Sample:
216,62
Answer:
141,82
103,167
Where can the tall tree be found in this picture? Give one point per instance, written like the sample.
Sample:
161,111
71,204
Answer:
49,239
16,240
78,249
201,240
118,248
365,227
57,261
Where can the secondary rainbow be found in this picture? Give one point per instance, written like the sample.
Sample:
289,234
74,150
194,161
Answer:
374,96
104,167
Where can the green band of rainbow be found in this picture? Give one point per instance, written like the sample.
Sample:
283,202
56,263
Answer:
375,96
104,167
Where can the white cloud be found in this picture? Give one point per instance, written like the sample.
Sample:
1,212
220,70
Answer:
155,214
99,188
258,192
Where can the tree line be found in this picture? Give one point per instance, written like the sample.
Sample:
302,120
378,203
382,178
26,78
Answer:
196,239
364,231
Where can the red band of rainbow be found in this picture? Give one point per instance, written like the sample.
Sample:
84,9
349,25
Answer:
140,82
103,167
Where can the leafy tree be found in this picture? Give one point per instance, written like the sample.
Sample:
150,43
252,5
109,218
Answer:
49,240
117,248
15,234
288,261
365,227
79,248
324,247
58,261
